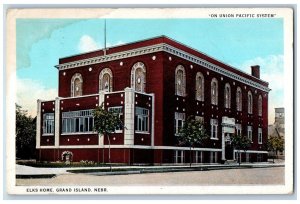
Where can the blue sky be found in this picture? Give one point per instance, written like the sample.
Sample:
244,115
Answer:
238,42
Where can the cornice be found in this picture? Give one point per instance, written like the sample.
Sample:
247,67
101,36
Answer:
169,49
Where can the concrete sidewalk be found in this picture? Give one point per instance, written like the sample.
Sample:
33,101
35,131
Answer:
23,171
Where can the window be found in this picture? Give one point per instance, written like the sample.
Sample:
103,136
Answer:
227,96
141,119
238,128
105,80
260,105
199,118
259,136
178,154
138,77
77,121
239,99
179,121
214,128
199,87
199,157
249,132
48,123
119,111
76,85
250,103
180,81
213,157
214,91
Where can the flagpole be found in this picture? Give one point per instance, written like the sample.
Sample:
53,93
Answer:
104,37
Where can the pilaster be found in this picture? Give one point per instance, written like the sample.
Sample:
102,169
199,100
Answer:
38,124
57,122
129,117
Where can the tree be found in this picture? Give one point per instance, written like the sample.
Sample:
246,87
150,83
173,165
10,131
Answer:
105,123
192,133
25,134
240,143
275,144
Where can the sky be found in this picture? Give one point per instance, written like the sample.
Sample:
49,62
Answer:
237,42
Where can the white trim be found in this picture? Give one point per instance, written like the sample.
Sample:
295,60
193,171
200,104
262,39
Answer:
72,97
132,147
172,50
48,134
79,133
251,151
38,124
129,116
142,132
152,121
57,122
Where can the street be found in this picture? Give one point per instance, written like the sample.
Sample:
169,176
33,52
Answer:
256,176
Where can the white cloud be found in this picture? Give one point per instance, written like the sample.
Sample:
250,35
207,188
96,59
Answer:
29,91
272,71
87,44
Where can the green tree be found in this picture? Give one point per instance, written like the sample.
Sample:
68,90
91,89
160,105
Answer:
192,133
25,134
275,144
105,123
240,143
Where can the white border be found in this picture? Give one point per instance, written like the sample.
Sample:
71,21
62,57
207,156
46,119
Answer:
155,13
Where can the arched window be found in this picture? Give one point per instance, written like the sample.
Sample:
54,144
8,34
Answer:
214,91
199,87
250,102
138,77
260,105
105,80
180,81
227,96
76,85
239,99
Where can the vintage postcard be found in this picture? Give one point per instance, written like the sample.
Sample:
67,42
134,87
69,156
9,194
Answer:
149,101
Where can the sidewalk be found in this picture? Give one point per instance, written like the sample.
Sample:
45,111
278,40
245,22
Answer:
34,172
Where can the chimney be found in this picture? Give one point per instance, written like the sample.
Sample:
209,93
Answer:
255,71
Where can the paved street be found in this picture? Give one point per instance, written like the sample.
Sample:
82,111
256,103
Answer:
267,176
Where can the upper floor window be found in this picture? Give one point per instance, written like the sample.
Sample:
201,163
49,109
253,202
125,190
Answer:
238,128
260,105
199,87
249,132
76,85
214,91
214,128
178,122
259,136
239,99
105,80
138,77
227,96
180,80
48,123
250,102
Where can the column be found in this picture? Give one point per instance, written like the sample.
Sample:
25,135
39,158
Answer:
153,120
223,144
101,100
129,117
38,124
57,122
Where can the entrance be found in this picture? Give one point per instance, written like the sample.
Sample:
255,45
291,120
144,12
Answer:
228,147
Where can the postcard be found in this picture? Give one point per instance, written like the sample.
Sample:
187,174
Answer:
149,101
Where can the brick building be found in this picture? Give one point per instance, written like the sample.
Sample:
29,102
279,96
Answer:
154,85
